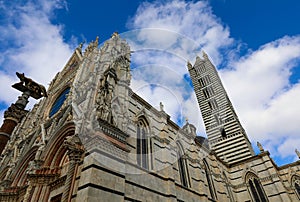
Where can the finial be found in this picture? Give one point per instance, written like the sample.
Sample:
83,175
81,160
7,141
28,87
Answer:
298,153
261,149
114,34
96,41
189,65
186,120
204,55
80,45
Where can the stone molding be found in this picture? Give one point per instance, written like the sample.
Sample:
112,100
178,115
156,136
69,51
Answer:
111,131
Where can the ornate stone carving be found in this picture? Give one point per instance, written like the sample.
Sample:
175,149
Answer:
91,46
105,94
15,112
11,166
73,144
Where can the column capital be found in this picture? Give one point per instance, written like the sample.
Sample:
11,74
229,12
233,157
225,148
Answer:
74,147
15,113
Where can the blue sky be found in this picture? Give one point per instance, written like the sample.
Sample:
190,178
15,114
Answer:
255,44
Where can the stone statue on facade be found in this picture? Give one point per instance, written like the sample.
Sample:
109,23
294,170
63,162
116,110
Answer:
298,153
103,101
105,95
161,106
40,143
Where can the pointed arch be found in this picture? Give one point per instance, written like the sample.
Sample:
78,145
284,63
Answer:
3,173
182,166
295,180
229,191
210,181
20,177
255,188
54,151
142,142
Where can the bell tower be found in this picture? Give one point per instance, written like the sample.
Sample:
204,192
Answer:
224,131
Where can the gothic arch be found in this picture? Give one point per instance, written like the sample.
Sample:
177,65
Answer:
255,187
210,181
295,184
55,151
20,176
3,173
182,165
143,116
142,142
228,187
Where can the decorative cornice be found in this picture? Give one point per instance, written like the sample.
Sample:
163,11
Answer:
111,130
42,179
57,183
161,140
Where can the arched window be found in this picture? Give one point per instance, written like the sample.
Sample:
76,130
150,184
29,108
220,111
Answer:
210,181
142,145
230,195
256,189
296,185
182,166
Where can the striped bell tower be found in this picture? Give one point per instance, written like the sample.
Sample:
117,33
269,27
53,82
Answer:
225,133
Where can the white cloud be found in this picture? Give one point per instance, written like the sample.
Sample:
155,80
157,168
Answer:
262,94
31,44
164,37
187,25
257,83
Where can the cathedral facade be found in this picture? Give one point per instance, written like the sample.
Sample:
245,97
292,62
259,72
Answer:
91,138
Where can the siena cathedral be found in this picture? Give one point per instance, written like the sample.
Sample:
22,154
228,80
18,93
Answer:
91,138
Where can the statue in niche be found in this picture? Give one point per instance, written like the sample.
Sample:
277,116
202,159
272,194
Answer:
105,95
40,143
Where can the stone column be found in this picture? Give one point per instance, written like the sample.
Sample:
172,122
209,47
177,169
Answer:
28,191
12,116
75,151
